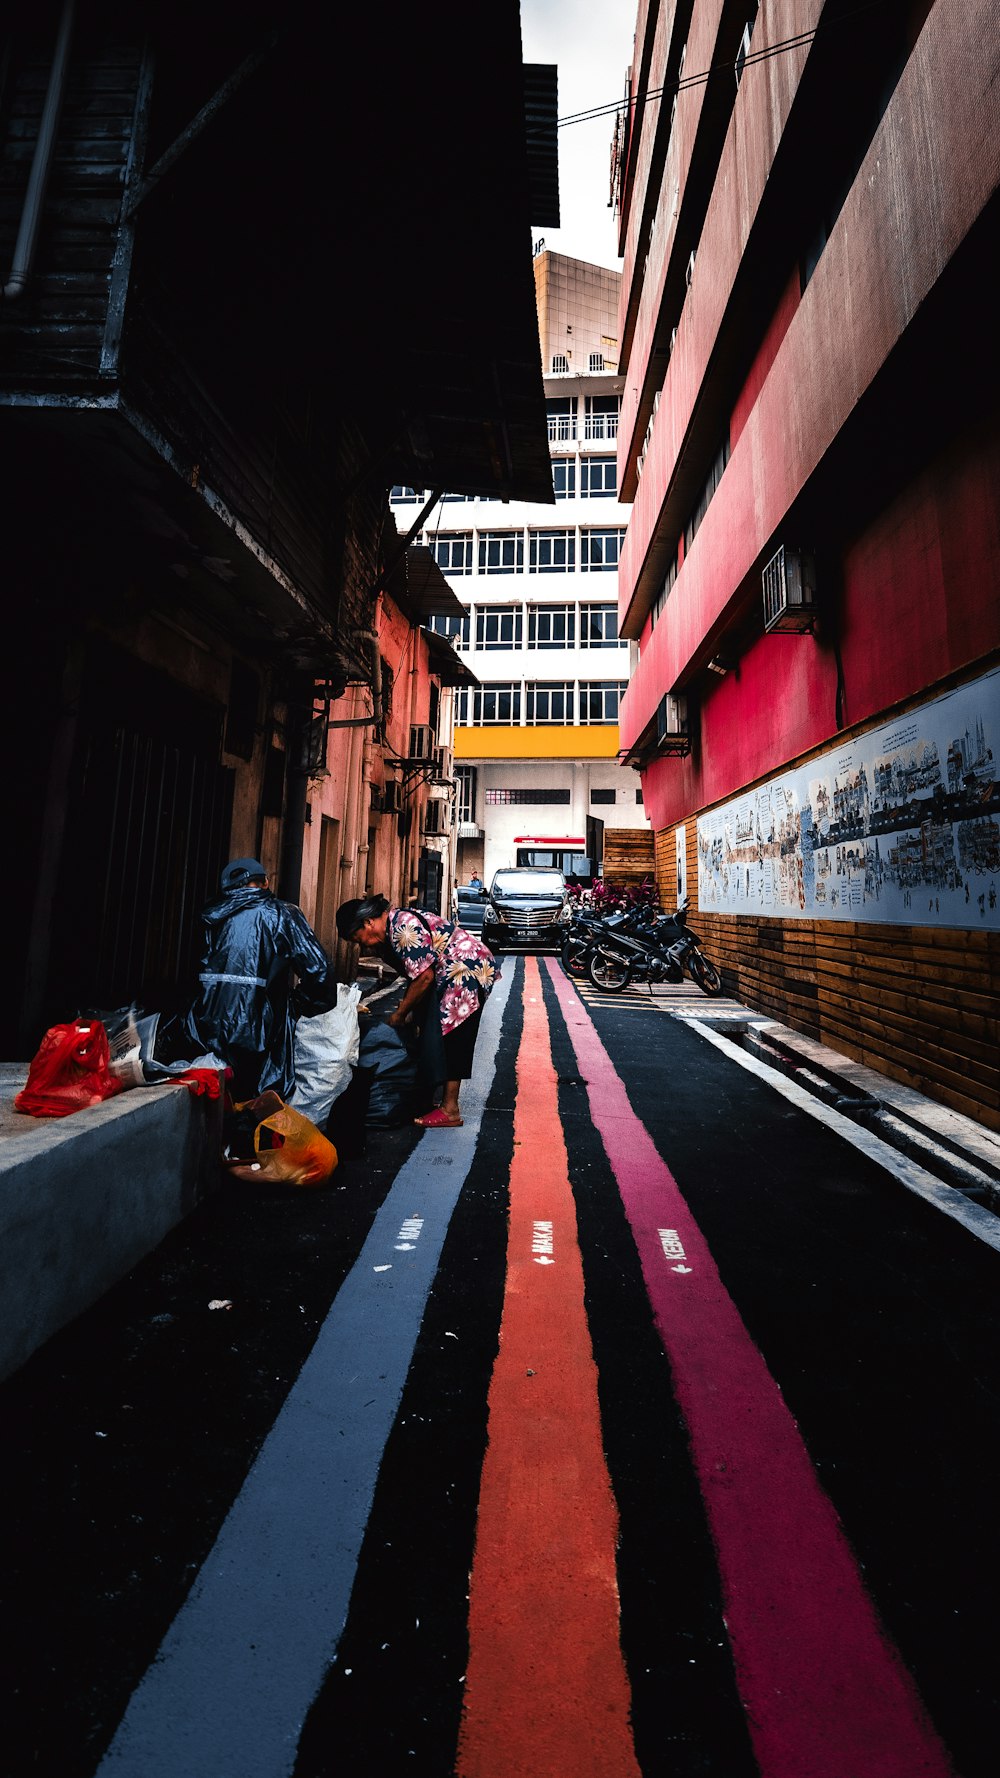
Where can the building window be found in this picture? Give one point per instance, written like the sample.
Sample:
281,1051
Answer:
526,798
596,361
551,626
561,414
452,497
599,626
598,478
743,51
638,797
452,551
600,550
560,363
549,702
406,496
712,481
462,707
551,552
455,628
664,593
501,552
600,416
599,700
499,626
564,480
495,704
465,796
602,796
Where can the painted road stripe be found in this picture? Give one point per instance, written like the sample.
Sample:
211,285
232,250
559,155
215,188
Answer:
546,1689
979,1221
825,1692
247,1653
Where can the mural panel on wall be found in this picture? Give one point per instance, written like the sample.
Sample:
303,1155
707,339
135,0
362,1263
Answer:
901,825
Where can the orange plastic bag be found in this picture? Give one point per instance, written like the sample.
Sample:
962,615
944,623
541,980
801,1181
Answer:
70,1072
289,1149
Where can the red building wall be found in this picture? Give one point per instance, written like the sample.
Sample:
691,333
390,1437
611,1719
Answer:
921,599
919,586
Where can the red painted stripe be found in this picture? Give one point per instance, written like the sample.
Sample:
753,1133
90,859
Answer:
825,1691
546,1690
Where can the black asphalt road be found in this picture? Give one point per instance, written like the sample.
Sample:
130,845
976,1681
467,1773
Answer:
128,1437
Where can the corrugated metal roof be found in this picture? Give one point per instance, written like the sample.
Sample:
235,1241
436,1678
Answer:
541,107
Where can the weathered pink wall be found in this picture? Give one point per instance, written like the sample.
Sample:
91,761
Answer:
921,599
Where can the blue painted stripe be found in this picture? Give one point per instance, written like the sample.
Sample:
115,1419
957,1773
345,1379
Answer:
246,1655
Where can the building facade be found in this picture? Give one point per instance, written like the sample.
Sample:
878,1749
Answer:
218,640
536,738
809,437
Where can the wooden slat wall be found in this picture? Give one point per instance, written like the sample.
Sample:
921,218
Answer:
628,854
57,326
271,467
921,1004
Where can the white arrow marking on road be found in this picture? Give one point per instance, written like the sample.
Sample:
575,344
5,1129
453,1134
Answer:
409,1234
681,1268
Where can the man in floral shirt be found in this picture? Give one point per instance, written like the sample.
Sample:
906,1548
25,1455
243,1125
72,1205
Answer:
439,957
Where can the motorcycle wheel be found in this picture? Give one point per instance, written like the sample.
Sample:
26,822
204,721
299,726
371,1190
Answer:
704,973
609,973
573,956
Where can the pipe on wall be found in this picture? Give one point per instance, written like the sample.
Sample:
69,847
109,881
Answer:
41,165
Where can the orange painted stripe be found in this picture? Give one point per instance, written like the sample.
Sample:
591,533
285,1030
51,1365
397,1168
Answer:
546,1688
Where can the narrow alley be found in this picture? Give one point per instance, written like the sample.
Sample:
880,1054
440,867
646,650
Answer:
642,1425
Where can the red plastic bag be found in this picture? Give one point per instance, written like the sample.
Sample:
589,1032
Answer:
69,1073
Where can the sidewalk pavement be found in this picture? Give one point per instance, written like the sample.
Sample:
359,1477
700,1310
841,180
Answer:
955,1148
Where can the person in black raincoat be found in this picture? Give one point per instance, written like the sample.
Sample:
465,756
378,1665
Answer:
257,949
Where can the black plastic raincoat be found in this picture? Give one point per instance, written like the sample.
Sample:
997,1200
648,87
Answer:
255,947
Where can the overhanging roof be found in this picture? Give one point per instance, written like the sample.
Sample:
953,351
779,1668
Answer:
445,663
417,585
381,229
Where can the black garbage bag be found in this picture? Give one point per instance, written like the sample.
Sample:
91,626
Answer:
389,1060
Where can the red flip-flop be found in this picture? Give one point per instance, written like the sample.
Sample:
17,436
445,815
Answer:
437,1120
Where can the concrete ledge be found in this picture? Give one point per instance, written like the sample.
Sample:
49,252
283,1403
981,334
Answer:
84,1198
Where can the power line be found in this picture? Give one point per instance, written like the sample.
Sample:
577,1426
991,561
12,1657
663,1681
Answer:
686,81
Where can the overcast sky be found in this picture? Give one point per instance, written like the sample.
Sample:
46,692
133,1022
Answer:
591,42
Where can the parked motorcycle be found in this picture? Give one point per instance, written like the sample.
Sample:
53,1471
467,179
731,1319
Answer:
579,940
656,949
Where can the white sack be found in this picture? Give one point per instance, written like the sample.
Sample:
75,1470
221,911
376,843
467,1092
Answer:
325,1050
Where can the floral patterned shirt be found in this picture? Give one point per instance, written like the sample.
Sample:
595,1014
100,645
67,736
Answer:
464,969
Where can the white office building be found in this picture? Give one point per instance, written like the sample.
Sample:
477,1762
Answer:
536,741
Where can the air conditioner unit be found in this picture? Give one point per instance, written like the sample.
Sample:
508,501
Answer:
392,796
789,586
672,734
421,740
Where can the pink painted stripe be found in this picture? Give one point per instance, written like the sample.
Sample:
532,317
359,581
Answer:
825,1691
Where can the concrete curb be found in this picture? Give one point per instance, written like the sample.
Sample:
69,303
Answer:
84,1198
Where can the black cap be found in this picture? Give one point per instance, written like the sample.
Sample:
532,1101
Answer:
240,872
